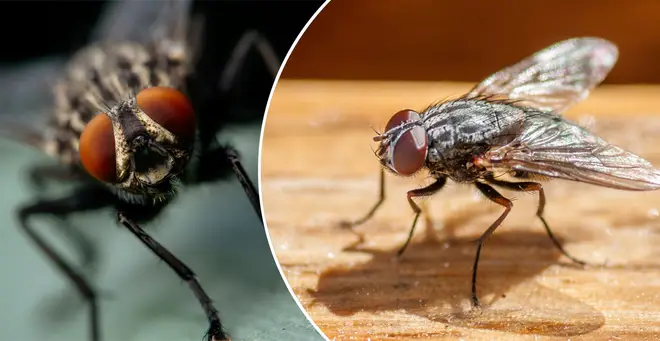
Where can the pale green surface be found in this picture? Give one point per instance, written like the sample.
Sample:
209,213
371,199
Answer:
213,229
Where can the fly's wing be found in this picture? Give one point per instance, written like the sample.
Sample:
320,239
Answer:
163,27
26,97
554,78
552,146
144,21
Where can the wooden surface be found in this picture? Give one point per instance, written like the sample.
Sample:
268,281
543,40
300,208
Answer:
318,169
468,40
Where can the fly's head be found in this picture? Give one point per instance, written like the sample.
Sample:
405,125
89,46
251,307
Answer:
403,146
141,145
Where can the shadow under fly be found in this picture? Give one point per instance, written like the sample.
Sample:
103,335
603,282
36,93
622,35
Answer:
127,128
510,124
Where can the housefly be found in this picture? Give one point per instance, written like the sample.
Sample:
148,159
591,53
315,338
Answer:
127,128
510,124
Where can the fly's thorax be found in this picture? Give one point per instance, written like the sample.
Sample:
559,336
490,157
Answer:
463,129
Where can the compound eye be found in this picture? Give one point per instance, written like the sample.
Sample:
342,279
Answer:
97,149
171,109
407,153
402,116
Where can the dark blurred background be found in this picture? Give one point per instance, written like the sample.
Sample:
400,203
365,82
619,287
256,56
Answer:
468,40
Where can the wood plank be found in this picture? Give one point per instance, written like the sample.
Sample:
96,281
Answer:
318,169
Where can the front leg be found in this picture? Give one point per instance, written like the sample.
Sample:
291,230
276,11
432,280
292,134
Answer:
215,332
214,164
421,192
39,175
83,199
374,208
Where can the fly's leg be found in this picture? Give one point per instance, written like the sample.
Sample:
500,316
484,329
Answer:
245,181
497,198
86,198
41,174
235,64
531,187
219,95
420,192
374,208
216,332
211,154
209,170
84,245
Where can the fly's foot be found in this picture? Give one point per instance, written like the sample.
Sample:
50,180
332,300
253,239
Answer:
475,302
216,333
577,261
346,225
354,246
400,251
580,264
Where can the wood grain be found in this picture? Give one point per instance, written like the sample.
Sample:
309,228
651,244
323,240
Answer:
318,169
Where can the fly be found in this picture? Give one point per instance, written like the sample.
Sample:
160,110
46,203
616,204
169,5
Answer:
510,123
125,127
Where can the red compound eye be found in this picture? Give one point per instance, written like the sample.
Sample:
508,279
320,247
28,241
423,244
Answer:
97,149
169,108
407,153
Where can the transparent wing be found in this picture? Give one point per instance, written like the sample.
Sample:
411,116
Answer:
164,27
551,146
554,78
143,21
26,97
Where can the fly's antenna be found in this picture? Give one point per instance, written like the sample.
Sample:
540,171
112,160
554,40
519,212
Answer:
374,129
